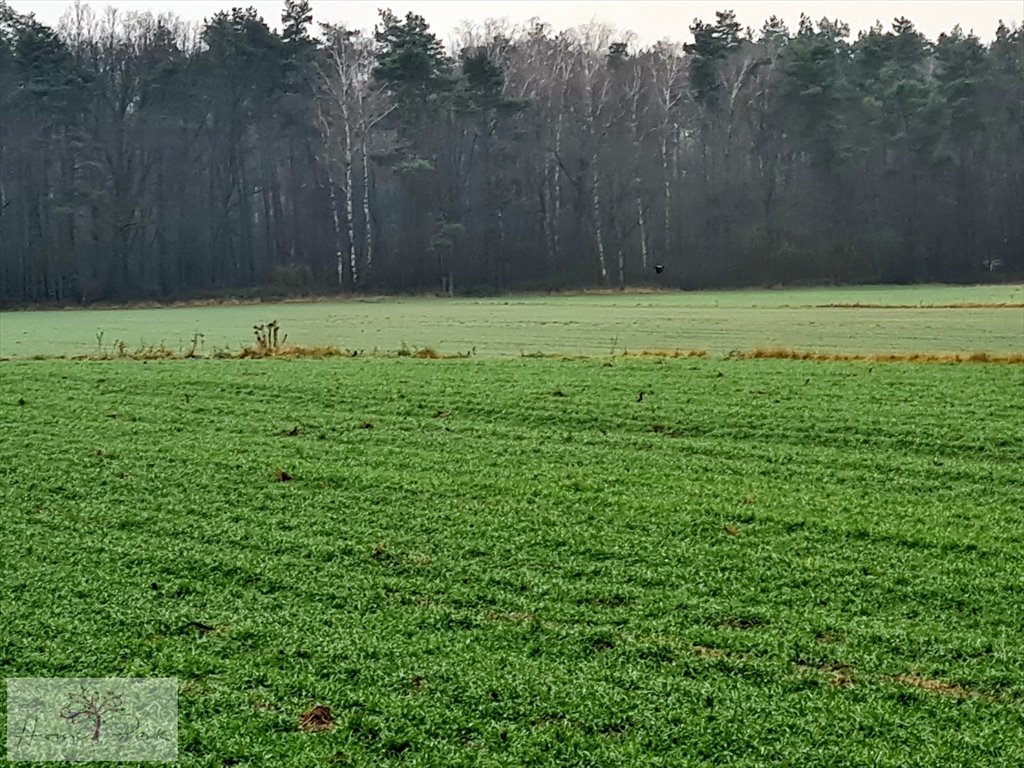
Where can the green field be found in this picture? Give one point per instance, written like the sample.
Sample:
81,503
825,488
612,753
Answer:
524,562
899,319
509,561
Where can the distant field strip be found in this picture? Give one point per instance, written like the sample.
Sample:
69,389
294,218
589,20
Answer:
961,305
894,320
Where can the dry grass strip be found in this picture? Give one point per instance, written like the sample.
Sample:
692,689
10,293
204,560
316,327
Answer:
785,353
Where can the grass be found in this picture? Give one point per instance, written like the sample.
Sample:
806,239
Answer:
616,562
899,320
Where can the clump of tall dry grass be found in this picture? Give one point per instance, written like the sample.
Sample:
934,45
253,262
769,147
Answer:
268,339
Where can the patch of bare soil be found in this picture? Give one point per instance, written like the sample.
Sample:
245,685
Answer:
316,719
937,686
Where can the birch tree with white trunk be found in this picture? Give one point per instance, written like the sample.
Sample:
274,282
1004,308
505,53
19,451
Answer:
348,117
666,78
591,42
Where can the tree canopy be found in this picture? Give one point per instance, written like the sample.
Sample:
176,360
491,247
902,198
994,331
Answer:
145,157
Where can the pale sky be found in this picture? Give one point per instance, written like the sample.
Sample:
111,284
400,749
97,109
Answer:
651,20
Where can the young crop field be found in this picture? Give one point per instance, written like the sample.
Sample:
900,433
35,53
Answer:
598,562
869,319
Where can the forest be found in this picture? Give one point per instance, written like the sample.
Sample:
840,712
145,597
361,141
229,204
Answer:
146,157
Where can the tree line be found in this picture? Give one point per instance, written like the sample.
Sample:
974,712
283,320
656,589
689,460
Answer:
146,157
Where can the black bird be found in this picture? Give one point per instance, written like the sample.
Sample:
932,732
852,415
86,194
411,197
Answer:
659,268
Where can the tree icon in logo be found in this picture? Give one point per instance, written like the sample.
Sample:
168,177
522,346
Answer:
91,709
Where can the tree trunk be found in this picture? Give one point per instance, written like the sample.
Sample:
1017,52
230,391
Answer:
595,197
367,222
339,256
643,229
668,198
545,213
501,251
332,196
543,197
349,214
557,189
